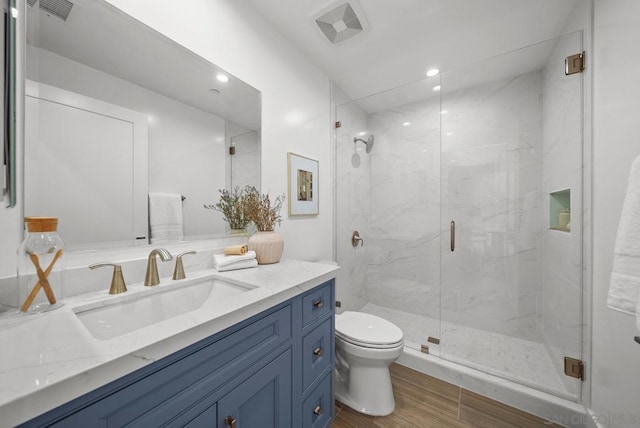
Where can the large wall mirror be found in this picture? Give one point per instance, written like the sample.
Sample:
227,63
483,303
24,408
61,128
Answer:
114,111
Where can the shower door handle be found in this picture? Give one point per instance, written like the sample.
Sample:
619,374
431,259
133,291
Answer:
453,235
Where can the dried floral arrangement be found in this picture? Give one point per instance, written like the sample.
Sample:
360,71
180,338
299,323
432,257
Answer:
261,211
232,205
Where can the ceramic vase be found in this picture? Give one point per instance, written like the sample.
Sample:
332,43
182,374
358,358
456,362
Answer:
268,246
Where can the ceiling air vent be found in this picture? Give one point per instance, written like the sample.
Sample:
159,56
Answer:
59,8
340,23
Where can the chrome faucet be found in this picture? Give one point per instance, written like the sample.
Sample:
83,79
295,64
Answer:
152,278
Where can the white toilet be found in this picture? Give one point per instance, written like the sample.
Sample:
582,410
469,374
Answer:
365,347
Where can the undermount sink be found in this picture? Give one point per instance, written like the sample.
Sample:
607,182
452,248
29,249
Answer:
115,317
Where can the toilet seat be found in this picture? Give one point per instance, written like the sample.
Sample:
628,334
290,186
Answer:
368,331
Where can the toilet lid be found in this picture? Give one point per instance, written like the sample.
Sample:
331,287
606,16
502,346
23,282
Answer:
367,330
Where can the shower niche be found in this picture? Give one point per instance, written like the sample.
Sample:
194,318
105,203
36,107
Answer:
560,210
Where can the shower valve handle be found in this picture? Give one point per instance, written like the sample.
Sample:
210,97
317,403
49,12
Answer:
356,239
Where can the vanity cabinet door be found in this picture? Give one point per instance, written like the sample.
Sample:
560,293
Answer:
262,401
206,419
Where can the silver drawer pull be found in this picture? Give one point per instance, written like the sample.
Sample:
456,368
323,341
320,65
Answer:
317,351
317,411
318,304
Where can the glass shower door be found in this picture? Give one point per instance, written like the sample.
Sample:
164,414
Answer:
511,203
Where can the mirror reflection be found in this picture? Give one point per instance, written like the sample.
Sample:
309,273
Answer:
116,112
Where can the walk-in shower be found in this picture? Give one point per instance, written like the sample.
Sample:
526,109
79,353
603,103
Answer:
499,151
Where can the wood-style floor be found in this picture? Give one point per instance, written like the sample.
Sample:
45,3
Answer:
424,402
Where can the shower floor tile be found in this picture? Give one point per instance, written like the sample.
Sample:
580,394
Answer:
509,357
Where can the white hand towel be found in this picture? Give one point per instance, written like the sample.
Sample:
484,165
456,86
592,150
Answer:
165,217
221,260
245,264
624,289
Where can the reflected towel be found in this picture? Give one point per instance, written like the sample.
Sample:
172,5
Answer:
624,290
235,250
221,260
165,217
245,264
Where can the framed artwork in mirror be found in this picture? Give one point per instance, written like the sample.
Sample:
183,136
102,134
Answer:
303,185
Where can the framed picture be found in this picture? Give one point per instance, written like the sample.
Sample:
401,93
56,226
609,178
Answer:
303,185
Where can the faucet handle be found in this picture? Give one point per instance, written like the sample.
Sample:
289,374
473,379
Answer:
117,281
178,271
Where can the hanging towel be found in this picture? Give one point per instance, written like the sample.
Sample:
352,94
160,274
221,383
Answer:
221,260
165,217
624,289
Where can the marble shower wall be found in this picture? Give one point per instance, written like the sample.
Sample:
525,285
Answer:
560,302
491,187
403,269
352,205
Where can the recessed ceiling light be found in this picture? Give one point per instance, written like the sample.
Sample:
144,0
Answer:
406,124
222,78
433,72
436,88
449,134
444,112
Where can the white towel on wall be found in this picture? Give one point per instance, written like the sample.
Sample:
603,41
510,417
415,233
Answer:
624,289
165,217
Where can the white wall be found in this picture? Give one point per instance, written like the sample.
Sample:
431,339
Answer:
295,105
615,372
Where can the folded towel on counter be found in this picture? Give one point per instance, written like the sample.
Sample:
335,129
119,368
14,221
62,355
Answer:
624,289
236,250
165,217
221,260
244,264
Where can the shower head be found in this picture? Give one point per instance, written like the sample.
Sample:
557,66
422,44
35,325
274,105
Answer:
368,143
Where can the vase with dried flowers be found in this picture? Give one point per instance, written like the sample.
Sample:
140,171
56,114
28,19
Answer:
232,205
265,214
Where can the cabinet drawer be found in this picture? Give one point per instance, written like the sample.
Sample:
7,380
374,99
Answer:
316,409
317,353
316,303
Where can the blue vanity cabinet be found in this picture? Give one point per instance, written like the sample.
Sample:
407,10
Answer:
272,370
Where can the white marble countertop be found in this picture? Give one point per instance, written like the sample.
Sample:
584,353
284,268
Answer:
49,359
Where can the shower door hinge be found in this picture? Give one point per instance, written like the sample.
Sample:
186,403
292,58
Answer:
338,124
574,64
574,368
433,340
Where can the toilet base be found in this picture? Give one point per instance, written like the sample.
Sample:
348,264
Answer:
372,397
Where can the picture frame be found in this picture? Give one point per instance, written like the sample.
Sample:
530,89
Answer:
303,185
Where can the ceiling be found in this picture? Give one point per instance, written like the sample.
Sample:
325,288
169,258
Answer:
404,38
